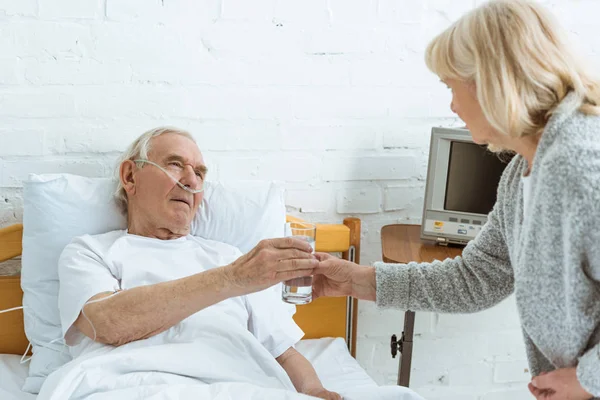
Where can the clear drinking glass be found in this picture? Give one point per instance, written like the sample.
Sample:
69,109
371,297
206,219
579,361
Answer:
299,290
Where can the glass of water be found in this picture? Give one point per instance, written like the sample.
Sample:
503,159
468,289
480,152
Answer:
299,290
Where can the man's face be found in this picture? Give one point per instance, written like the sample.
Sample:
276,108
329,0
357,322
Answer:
156,198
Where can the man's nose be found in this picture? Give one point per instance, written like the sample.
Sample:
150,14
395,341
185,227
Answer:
189,177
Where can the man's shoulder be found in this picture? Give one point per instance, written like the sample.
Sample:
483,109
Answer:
107,238
98,243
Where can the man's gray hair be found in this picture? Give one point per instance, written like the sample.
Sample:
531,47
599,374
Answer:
139,149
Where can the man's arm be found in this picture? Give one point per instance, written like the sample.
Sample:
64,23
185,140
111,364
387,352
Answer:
145,311
303,375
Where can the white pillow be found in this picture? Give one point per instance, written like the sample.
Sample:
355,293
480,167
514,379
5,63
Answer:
241,213
59,207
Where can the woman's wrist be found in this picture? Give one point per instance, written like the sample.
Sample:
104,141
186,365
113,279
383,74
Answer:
364,283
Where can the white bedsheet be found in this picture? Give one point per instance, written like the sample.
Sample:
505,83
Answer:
12,376
341,373
336,368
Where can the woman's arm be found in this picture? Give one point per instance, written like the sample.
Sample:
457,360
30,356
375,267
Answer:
481,278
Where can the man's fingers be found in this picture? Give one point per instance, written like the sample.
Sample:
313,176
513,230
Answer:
291,243
297,264
287,275
291,254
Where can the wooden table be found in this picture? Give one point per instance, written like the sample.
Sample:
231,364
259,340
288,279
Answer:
401,244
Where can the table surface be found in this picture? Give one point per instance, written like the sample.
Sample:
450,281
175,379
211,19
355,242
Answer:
402,243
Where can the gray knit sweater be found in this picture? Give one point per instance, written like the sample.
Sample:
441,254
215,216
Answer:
549,258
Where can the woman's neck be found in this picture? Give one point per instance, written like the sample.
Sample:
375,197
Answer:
526,147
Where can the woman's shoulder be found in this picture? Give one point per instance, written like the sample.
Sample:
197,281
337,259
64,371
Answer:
571,163
579,130
575,150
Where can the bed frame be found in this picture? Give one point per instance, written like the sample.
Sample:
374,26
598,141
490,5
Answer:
324,317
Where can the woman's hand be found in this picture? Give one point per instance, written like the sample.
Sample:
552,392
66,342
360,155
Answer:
561,384
334,277
323,393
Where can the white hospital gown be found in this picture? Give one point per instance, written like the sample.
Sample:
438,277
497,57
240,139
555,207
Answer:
239,337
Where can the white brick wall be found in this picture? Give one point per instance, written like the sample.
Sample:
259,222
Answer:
363,200
59,9
331,96
11,8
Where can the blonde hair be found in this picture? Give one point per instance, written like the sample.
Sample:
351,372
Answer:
139,149
516,55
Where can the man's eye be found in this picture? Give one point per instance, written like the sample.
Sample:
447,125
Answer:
175,164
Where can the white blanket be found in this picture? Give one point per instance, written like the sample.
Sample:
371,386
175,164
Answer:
338,371
210,361
214,363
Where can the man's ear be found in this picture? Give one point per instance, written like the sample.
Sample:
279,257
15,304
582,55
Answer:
127,176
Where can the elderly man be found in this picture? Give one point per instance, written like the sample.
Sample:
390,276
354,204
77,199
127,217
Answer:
153,287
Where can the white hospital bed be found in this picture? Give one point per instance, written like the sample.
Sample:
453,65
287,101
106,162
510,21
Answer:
329,324
337,369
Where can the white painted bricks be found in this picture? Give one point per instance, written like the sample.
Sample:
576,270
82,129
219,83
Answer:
332,97
14,172
379,167
401,197
512,371
12,8
56,9
364,200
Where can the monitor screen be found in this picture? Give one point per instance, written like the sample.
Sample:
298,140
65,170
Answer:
469,189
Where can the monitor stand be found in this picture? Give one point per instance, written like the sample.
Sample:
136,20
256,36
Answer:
400,244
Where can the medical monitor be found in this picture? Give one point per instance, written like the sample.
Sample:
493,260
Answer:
462,179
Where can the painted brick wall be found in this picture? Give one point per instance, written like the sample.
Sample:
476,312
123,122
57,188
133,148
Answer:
331,96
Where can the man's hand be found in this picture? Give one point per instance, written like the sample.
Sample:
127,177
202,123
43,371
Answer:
270,262
323,393
335,277
303,375
561,384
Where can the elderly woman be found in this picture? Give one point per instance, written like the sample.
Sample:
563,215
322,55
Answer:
518,87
